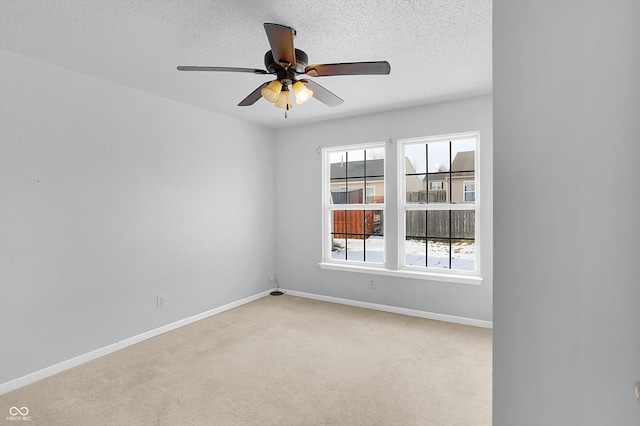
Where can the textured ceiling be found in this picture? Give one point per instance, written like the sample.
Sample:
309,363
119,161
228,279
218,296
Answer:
438,49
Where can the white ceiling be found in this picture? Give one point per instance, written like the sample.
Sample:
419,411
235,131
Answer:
438,49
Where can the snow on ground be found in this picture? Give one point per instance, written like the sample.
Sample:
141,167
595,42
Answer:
462,257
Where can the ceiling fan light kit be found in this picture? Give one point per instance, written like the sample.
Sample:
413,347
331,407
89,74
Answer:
272,91
284,100
290,64
301,92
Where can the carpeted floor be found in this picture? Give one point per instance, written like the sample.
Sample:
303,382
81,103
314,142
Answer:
279,361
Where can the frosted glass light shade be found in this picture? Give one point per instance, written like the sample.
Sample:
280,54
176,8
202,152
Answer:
272,91
284,99
302,93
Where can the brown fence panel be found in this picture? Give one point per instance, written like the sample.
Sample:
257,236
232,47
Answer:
353,222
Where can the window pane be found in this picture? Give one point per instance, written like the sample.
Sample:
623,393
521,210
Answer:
374,175
356,164
438,224
438,253
374,242
415,158
463,187
416,224
463,254
415,251
463,224
415,191
431,252
375,162
437,188
415,166
338,247
339,228
338,177
427,239
351,194
463,155
338,234
438,157
337,165
357,176
357,235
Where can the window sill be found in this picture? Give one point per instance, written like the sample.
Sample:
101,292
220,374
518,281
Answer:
404,273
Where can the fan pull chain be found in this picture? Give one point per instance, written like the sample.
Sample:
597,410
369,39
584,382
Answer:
286,111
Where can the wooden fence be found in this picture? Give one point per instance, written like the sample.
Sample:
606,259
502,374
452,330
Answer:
434,196
356,223
435,224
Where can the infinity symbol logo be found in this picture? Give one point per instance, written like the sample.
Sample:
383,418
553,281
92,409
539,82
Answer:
14,411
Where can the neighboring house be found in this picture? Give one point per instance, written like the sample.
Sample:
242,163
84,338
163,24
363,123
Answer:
348,181
463,183
357,182
412,183
436,185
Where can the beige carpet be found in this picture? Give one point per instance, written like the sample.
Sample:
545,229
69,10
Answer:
279,361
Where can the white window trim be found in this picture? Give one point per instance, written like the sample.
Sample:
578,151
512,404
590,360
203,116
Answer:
421,273
328,207
437,273
403,273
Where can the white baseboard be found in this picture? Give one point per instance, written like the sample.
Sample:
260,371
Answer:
393,309
74,362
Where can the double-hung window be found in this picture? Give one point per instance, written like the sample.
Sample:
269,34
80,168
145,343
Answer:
438,204
354,188
435,208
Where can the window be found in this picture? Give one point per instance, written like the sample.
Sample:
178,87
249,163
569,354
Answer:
354,204
439,231
436,203
469,191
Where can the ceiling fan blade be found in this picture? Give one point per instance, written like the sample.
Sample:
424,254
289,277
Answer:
222,69
253,96
281,41
322,94
348,68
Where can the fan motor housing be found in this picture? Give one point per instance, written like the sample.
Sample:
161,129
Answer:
302,60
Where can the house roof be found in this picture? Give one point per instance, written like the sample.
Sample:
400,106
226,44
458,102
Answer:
463,161
356,169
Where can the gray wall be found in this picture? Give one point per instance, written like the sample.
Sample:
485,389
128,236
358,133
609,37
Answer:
299,208
111,197
566,158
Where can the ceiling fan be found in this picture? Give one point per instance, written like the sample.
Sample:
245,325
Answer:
288,64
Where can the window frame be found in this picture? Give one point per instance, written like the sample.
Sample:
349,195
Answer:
403,207
328,207
394,232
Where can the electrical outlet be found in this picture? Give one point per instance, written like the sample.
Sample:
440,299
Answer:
271,278
372,284
160,302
